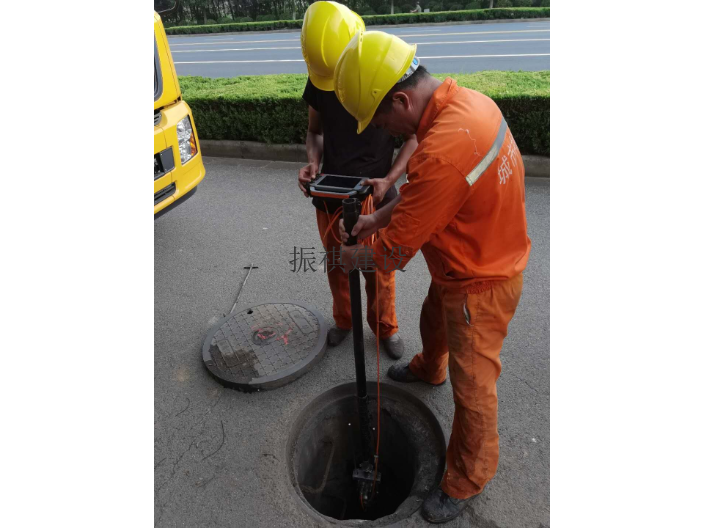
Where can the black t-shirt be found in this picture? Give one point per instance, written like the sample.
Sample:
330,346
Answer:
369,154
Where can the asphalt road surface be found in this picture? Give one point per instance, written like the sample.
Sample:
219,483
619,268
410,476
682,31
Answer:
442,49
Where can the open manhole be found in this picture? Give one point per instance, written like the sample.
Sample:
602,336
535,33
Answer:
324,443
266,345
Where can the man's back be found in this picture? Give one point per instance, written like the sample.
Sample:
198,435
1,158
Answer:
468,160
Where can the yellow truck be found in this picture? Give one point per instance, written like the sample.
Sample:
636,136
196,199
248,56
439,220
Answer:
178,164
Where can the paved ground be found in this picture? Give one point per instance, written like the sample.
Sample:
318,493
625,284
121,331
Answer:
218,453
466,48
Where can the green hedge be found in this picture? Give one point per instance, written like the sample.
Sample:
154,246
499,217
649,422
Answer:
269,108
403,18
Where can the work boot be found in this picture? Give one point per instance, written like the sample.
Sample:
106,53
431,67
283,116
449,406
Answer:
439,507
403,374
336,336
393,346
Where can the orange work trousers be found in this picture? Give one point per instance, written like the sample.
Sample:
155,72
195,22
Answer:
467,330
340,288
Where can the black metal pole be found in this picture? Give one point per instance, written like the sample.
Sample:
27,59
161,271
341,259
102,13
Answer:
350,214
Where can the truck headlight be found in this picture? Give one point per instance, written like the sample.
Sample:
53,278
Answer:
186,139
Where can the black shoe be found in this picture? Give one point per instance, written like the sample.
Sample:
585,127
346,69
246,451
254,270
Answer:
403,374
439,507
393,346
336,336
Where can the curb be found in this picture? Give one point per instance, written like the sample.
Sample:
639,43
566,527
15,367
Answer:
465,22
293,30
536,166
223,148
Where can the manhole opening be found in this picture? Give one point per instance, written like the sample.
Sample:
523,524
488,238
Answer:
324,450
332,451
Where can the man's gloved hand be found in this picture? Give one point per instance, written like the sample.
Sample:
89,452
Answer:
306,175
380,186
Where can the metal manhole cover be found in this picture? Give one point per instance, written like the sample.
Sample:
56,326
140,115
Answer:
265,346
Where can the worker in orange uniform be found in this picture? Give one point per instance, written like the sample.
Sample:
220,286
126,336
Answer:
464,208
332,138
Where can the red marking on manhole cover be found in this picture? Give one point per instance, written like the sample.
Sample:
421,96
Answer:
263,334
284,337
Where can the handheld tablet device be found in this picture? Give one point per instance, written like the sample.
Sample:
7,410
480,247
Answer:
339,187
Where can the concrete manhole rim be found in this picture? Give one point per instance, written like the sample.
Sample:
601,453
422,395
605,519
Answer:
280,378
335,394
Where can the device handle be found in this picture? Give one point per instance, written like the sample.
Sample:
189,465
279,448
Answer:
350,215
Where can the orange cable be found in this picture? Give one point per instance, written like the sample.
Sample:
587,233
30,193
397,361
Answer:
367,209
332,222
369,206
378,390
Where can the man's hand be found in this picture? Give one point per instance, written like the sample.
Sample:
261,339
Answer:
306,175
380,186
348,255
365,226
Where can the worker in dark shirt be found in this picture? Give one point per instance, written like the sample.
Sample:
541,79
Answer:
332,144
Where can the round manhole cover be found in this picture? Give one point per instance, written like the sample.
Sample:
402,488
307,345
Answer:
264,346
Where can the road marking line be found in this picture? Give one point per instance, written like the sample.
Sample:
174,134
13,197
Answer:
234,42
237,49
419,43
397,34
404,34
410,35
480,41
301,60
479,33
240,61
484,56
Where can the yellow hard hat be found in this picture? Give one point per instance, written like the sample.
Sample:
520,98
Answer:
371,64
327,28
